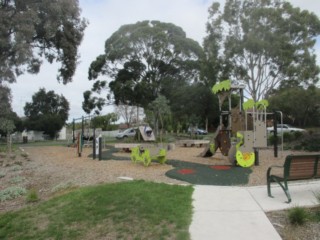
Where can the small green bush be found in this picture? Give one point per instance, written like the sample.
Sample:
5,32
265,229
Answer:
11,193
32,196
288,137
297,147
316,215
298,216
312,144
297,135
272,139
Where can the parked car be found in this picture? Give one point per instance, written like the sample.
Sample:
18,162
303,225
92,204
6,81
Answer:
285,128
129,132
198,131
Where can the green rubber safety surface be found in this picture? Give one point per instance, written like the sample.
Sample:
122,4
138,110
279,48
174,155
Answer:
195,173
107,154
202,174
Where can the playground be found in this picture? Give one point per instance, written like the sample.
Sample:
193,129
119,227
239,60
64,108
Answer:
236,155
58,167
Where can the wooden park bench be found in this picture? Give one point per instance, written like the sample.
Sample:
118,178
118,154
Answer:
296,167
193,143
126,147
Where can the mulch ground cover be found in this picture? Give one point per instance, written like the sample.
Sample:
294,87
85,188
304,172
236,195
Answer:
195,173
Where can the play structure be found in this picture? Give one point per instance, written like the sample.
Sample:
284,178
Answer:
146,133
86,136
147,155
139,154
242,129
142,133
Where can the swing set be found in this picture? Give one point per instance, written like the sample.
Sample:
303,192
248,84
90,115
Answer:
89,136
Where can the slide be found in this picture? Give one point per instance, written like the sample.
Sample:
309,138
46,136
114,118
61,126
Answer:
144,135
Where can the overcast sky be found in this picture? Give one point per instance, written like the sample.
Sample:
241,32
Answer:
107,16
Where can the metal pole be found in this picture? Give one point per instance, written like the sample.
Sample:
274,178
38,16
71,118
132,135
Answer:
82,131
275,135
100,148
73,129
82,126
94,144
256,155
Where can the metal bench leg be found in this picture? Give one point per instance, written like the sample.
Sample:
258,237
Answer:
269,188
285,189
269,183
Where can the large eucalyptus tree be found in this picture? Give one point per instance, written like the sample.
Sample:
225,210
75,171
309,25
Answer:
141,61
265,43
34,30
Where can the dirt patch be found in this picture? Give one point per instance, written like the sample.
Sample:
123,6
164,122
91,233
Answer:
287,231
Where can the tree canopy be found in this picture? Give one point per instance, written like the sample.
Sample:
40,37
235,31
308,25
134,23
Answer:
299,106
6,113
33,30
141,60
47,112
266,44
195,105
105,122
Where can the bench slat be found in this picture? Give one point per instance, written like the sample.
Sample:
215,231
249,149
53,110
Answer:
302,167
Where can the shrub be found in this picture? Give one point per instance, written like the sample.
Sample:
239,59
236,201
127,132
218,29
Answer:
297,147
311,143
11,193
288,137
298,216
297,134
272,139
32,196
16,168
17,179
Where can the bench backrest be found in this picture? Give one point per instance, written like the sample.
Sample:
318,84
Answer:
318,168
301,166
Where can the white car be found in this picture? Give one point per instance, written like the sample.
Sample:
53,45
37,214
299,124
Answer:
284,128
198,131
129,132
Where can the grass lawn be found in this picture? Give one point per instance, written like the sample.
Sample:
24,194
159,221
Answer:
128,210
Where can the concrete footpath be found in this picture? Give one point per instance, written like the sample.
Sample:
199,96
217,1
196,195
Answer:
238,213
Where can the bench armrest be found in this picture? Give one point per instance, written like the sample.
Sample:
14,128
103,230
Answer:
273,166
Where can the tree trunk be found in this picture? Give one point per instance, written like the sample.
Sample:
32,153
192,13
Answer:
9,149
